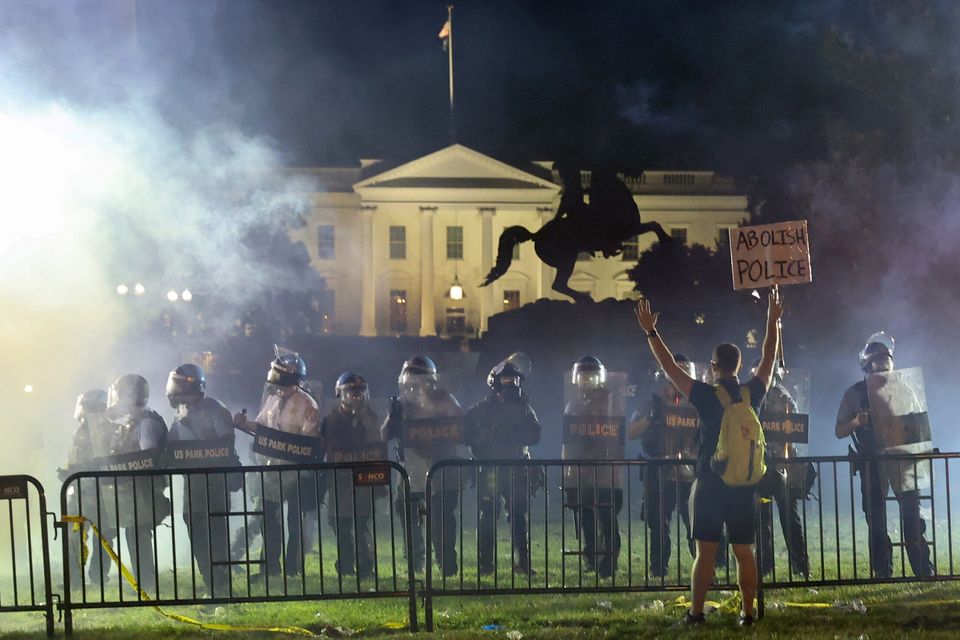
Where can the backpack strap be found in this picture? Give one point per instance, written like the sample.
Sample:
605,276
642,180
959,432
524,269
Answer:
725,398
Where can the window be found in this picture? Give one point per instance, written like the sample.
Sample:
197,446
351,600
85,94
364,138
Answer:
723,236
398,243
516,252
511,300
584,255
456,321
325,243
454,243
679,234
398,311
631,248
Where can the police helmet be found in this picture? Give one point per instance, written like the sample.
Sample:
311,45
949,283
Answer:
92,401
504,373
878,345
352,388
128,392
186,382
286,370
589,373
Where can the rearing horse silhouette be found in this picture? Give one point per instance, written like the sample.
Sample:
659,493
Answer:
610,218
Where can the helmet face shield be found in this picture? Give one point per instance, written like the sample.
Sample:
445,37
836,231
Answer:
93,401
182,389
353,395
416,383
589,380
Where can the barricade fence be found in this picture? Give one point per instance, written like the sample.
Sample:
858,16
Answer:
24,553
552,526
315,532
205,536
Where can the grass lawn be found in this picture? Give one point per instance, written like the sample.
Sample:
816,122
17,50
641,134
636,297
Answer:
892,611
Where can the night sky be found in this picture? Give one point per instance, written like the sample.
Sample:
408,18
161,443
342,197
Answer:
741,86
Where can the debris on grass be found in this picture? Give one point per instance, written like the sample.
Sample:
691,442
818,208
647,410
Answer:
514,635
492,627
606,605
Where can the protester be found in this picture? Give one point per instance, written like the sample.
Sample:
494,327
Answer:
713,504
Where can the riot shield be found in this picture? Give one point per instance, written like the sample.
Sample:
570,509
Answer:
784,416
315,389
898,408
104,435
432,418
593,417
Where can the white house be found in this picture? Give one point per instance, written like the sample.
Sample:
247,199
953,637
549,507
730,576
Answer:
392,240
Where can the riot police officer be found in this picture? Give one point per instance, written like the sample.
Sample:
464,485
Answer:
425,420
82,497
351,433
855,419
142,503
288,408
595,492
787,485
666,487
501,427
203,425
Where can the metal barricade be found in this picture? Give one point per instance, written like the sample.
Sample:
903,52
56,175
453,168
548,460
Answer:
549,526
24,552
552,526
260,534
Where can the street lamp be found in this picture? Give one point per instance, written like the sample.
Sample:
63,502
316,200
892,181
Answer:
139,289
456,290
172,295
186,296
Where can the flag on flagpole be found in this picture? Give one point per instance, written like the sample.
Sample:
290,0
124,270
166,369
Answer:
445,34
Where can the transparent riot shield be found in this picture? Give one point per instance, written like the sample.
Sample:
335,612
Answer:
593,416
898,412
786,425
104,435
315,389
898,408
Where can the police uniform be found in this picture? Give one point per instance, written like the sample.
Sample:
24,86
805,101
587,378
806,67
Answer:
206,420
502,430
595,492
665,487
295,413
787,487
345,434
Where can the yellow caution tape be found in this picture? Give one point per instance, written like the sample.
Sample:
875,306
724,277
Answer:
132,581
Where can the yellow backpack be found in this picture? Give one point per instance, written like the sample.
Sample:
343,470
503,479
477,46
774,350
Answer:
740,459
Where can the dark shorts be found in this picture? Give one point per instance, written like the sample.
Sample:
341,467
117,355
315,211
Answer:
713,505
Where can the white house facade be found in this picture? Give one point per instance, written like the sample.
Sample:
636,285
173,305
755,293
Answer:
392,241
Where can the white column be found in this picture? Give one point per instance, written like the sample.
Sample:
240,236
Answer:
428,325
545,273
368,281
486,262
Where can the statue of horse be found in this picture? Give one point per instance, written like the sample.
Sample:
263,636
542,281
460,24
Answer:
610,218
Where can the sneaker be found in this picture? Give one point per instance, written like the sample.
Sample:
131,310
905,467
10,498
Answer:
745,620
690,619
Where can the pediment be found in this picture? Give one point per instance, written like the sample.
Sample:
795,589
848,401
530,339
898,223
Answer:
456,167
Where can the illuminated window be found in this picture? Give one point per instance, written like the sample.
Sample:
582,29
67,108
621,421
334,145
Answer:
398,311
631,248
723,236
516,252
454,243
398,243
511,300
679,234
456,321
325,242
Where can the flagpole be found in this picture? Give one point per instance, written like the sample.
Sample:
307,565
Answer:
453,126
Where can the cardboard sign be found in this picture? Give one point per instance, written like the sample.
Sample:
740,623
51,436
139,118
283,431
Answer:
377,475
786,427
291,447
201,453
769,254
13,489
133,461
422,433
681,418
359,452
591,429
